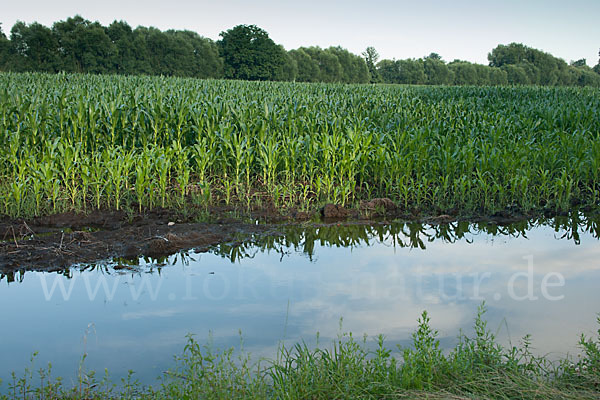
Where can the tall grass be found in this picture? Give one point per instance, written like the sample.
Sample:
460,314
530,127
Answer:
79,142
478,367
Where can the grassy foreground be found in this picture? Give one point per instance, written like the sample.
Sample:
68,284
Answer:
79,142
477,368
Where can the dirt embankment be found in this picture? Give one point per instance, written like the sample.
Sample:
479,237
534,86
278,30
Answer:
58,241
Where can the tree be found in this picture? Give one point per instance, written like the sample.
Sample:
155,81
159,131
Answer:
388,71
185,53
249,53
288,71
579,63
329,68
434,56
308,68
512,54
541,68
34,48
205,55
464,73
411,71
371,57
436,71
496,76
515,75
408,72
354,68
584,77
4,49
84,46
121,35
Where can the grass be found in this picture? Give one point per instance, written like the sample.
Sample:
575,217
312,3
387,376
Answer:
83,142
476,368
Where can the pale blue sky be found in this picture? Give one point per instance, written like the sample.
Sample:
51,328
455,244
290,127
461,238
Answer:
397,29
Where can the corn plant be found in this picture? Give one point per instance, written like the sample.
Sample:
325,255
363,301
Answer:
474,149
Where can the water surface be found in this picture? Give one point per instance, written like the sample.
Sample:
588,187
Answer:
536,278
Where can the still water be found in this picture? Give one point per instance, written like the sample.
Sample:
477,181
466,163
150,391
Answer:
540,278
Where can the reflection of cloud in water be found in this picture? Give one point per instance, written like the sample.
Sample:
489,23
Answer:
382,288
162,313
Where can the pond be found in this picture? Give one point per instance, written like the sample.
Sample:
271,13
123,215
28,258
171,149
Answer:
538,277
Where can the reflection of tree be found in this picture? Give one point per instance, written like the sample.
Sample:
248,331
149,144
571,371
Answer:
304,238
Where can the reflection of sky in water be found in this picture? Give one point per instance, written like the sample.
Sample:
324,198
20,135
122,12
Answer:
140,320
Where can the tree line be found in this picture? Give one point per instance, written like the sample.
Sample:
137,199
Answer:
246,52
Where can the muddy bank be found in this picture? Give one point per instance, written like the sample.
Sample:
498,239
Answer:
55,242
58,241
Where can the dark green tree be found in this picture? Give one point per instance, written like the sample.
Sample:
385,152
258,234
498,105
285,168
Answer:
411,71
248,53
371,57
4,50
579,63
515,75
121,35
464,73
436,71
541,68
408,72
83,46
330,69
308,68
496,76
141,56
583,76
288,71
353,68
34,48
388,71
433,56
203,53
178,55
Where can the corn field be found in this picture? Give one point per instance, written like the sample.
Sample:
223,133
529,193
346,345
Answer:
82,142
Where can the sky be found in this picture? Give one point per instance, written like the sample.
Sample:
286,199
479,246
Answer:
458,29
